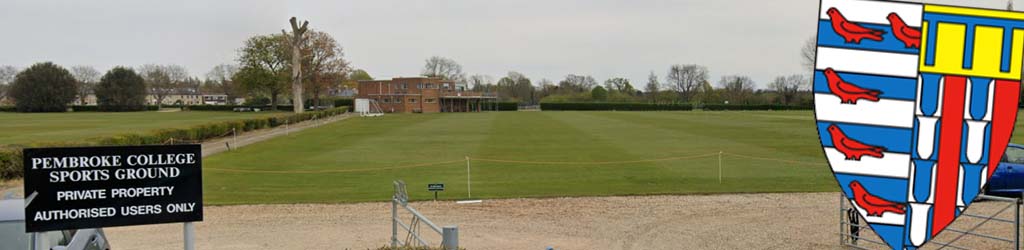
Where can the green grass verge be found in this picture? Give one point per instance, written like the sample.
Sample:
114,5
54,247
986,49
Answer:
24,128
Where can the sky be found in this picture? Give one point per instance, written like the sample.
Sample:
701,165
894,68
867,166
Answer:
392,38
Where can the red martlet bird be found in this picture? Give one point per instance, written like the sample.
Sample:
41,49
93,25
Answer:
874,205
852,149
852,32
848,92
911,37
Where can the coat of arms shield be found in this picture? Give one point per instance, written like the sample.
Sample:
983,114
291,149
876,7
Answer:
915,104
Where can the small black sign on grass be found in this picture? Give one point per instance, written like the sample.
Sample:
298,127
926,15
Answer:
435,187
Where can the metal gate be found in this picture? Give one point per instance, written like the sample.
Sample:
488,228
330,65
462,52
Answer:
449,234
852,230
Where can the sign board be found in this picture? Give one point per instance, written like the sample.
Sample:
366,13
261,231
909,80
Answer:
915,104
435,187
92,187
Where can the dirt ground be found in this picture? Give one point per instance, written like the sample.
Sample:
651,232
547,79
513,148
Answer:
739,221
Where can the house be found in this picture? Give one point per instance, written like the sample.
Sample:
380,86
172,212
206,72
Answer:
424,95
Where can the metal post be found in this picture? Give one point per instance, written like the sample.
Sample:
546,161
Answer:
469,186
234,136
1016,224
37,242
394,223
190,236
450,238
842,207
719,167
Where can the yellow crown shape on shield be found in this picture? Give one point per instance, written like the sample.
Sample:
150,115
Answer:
972,42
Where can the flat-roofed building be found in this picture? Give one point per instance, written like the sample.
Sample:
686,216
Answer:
424,95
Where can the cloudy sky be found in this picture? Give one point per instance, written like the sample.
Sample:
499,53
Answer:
389,38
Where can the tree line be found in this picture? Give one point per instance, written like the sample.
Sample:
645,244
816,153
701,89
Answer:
683,83
260,75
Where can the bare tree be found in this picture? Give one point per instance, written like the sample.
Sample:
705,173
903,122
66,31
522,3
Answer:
297,39
737,88
481,83
86,77
445,68
7,74
808,53
158,82
686,79
788,87
220,79
577,84
653,87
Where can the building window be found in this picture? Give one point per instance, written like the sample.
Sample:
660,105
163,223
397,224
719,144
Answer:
412,100
403,86
387,100
445,86
398,100
430,85
431,100
419,86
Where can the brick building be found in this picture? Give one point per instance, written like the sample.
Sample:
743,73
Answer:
424,95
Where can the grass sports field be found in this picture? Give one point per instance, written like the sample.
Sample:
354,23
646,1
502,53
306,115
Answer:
22,128
526,154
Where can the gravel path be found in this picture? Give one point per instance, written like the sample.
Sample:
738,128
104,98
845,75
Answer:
735,221
221,144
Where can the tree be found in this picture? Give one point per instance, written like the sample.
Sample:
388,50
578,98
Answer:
577,84
360,75
444,68
599,94
264,60
323,63
517,86
157,79
481,83
121,89
788,87
296,40
687,79
620,84
7,74
44,87
736,88
219,79
653,87
86,78
809,53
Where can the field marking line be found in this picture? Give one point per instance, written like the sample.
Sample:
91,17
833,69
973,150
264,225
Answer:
774,159
597,162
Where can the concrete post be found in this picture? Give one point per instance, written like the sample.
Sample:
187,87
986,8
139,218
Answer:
450,238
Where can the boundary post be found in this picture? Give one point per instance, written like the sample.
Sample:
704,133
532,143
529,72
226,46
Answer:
469,182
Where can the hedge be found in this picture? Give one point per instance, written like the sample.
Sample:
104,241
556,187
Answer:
94,108
717,107
508,106
597,106
10,156
8,109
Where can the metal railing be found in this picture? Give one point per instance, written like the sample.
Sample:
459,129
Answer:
851,228
449,234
